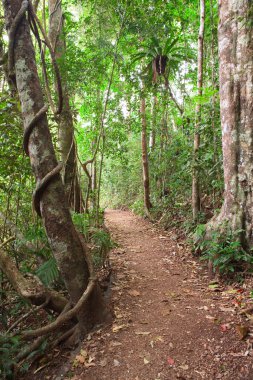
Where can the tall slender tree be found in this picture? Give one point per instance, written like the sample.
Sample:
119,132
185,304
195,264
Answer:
145,164
195,168
66,126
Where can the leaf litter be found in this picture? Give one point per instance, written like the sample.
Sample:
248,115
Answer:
202,331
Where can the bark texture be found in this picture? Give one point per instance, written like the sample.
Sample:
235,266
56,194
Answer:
152,136
66,125
63,238
195,169
145,165
236,102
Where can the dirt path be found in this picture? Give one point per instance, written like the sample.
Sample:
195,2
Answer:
168,323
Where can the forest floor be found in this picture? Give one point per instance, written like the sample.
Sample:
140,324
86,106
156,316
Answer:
170,322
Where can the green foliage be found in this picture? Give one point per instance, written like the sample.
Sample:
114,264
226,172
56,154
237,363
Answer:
48,272
98,238
82,223
101,245
226,252
9,348
137,207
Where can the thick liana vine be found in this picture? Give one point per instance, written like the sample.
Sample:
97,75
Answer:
43,184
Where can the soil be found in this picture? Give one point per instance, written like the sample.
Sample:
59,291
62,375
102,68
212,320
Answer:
170,321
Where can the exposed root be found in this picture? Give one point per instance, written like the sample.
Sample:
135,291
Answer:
29,349
63,318
64,336
31,289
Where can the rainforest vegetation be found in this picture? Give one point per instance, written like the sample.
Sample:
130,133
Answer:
136,105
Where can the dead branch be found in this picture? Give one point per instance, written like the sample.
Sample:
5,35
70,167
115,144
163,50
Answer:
7,241
25,316
174,99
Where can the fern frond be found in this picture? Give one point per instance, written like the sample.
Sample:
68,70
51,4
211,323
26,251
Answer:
48,272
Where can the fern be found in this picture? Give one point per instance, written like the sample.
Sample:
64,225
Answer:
48,272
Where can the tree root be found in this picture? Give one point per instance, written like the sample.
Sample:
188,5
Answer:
31,289
29,349
64,336
63,318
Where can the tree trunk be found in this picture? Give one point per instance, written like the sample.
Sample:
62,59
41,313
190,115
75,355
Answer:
145,165
63,238
94,183
66,126
152,137
195,167
236,103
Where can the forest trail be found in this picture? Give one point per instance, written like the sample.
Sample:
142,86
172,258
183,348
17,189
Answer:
169,324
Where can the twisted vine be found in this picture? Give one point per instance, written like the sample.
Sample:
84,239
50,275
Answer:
42,184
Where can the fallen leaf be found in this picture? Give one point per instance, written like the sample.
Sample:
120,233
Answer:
91,359
80,359
170,361
224,327
184,367
227,309
103,362
84,353
116,363
214,287
166,313
159,339
115,344
242,331
142,332
210,317
236,354
134,293
146,361
88,365
116,328
231,291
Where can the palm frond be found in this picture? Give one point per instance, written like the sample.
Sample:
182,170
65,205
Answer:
48,272
170,44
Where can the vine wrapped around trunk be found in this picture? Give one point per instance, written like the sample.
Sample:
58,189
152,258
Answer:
64,240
